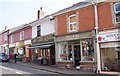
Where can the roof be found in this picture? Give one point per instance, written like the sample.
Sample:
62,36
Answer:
73,7
18,28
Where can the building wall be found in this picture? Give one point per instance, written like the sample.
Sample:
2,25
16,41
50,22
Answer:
28,33
86,18
47,27
2,38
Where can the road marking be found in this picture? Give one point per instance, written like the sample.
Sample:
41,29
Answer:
18,72
3,67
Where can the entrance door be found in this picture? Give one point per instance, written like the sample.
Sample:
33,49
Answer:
77,55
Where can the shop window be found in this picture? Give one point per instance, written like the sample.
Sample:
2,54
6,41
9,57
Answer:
66,52
87,50
22,35
117,12
111,61
39,30
72,20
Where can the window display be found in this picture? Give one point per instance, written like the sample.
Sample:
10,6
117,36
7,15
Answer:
110,59
87,50
66,53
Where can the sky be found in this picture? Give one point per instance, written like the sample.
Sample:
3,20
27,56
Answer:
17,12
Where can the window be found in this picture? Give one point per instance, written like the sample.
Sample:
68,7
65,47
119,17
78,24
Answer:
5,36
12,38
72,19
117,12
39,30
110,59
22,35
66,52
87,50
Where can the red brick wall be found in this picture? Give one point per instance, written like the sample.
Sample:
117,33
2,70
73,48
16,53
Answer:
86,18
105,16
61,24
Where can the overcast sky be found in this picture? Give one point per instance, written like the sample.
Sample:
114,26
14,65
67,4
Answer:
16,12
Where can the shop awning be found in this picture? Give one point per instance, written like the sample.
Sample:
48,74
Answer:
40,46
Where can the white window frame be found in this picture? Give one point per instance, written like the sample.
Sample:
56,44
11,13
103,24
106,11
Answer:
116,12
5,36
72,23
12,38
22,35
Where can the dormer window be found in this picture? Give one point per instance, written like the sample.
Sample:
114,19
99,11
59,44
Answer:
117,12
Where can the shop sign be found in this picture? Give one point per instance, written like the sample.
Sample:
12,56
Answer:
42,39
107,37
21,43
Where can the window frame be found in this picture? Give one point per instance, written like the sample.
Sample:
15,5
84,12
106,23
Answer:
22,35
72,23
39,31
116,12
12,38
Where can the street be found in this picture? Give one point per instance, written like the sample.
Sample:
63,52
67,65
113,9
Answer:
16,69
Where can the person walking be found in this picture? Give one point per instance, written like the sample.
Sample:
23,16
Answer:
15,57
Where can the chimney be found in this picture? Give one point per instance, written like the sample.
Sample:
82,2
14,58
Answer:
40,13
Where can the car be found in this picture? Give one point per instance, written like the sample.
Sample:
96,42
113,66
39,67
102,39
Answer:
4,57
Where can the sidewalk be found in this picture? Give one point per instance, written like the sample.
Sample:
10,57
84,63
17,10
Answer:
53,68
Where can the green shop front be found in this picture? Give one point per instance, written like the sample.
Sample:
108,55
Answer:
43,50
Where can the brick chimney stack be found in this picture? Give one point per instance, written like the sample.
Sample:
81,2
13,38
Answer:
40,13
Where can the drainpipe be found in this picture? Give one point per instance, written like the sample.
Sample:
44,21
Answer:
96,35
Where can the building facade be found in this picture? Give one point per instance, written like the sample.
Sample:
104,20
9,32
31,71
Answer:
109,39
76,42
20,40
43,46
4,42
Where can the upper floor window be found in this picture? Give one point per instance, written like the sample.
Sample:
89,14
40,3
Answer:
117,12
72,20
12,38
5,36
39,30
22,35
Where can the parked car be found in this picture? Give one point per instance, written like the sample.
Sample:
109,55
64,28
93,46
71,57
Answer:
4,57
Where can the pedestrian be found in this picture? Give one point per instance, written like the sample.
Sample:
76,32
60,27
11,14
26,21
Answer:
10,57
15,57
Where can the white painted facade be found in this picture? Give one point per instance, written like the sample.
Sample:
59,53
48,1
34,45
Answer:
47,26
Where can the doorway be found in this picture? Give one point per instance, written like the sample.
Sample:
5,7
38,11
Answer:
77,53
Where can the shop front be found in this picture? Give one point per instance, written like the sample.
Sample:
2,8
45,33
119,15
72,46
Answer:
21,50
110,50
43,50
76,50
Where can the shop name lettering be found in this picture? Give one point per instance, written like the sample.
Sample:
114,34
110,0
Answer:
115,36
43,38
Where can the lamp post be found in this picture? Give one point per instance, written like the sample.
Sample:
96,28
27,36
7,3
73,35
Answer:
96,35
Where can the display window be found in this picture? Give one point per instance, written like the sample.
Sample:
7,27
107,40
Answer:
110,59
66,52
82,50
87,50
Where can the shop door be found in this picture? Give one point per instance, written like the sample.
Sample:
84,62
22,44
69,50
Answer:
77,55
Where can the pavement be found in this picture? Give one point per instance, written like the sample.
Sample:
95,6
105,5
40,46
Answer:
54,68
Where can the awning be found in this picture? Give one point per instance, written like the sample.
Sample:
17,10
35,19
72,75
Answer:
41,46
